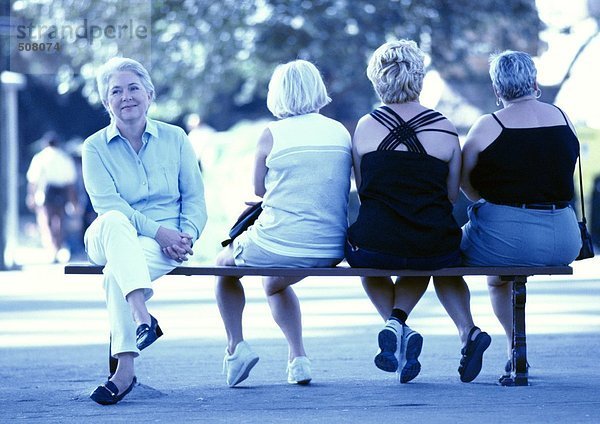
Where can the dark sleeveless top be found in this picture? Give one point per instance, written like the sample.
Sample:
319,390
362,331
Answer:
404,208
527,165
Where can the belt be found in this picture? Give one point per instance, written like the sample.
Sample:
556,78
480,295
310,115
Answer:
539,206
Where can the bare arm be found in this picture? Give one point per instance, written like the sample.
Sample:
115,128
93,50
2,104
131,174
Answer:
454,166
480,136
356,166
357,140
263,148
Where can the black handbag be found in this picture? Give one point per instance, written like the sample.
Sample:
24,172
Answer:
587,245
245,220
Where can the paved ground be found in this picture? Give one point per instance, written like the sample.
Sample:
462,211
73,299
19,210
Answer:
53,349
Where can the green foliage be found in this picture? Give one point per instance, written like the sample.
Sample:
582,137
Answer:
215,58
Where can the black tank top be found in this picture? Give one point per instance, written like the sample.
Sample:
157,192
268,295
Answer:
404,208
528,165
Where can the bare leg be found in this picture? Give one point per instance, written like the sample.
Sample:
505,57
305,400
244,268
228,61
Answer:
125,372
285,309
381,293
455,297
137,303
501,298
55,221
231,300
408,291
385,295
43,222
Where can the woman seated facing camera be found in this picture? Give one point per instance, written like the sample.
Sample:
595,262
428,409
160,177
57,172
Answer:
302,172
407,163
145,184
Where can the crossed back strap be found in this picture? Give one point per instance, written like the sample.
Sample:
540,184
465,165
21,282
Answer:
405,132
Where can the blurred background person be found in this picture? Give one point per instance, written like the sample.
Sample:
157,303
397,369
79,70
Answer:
51,192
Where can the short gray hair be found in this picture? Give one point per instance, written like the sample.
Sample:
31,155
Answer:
396,70
513,74
296,88
120,64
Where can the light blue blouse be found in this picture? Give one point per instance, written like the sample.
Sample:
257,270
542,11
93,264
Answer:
159,186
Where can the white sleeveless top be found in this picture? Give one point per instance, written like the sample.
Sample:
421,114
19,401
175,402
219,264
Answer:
307,185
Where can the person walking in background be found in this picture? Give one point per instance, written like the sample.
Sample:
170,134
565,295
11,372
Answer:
302,172
518,166
145,184
407,163
51,180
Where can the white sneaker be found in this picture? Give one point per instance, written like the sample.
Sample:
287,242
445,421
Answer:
238,365
390,341
412,343
299,370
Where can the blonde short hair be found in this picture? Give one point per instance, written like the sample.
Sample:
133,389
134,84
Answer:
396,70
120,64
296,88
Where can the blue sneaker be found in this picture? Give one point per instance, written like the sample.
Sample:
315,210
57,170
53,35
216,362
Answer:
389,340
412,343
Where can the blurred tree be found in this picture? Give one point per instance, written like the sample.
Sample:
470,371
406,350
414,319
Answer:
550,92
215,58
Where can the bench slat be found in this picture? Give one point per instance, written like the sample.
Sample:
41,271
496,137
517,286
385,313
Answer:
341,271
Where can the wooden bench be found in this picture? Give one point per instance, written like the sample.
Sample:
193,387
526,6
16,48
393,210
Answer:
518,275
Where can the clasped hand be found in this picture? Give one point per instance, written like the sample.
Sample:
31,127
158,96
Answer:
174,244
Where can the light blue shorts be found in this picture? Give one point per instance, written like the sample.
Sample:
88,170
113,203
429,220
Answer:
498,235
247,253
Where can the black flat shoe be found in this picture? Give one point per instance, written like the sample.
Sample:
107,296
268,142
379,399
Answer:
108,394
472,355
147,334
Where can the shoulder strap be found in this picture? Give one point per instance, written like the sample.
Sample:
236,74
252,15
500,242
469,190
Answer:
498,120
383,119
581,188
563,114
430,117
427,117
579,168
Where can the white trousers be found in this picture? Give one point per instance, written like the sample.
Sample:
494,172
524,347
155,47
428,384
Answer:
130,262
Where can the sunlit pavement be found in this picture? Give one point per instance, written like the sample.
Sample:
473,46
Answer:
53,330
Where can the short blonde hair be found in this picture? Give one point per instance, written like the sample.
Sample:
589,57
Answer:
296,88
120,64
396,70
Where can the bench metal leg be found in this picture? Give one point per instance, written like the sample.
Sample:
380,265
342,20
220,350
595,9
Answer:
519,373
112,361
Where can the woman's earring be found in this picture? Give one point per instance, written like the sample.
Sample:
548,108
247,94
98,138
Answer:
537,93
497,101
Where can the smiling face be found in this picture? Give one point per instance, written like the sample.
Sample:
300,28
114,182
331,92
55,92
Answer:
128,100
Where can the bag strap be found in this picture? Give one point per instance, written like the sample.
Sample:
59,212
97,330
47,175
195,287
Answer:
581,188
